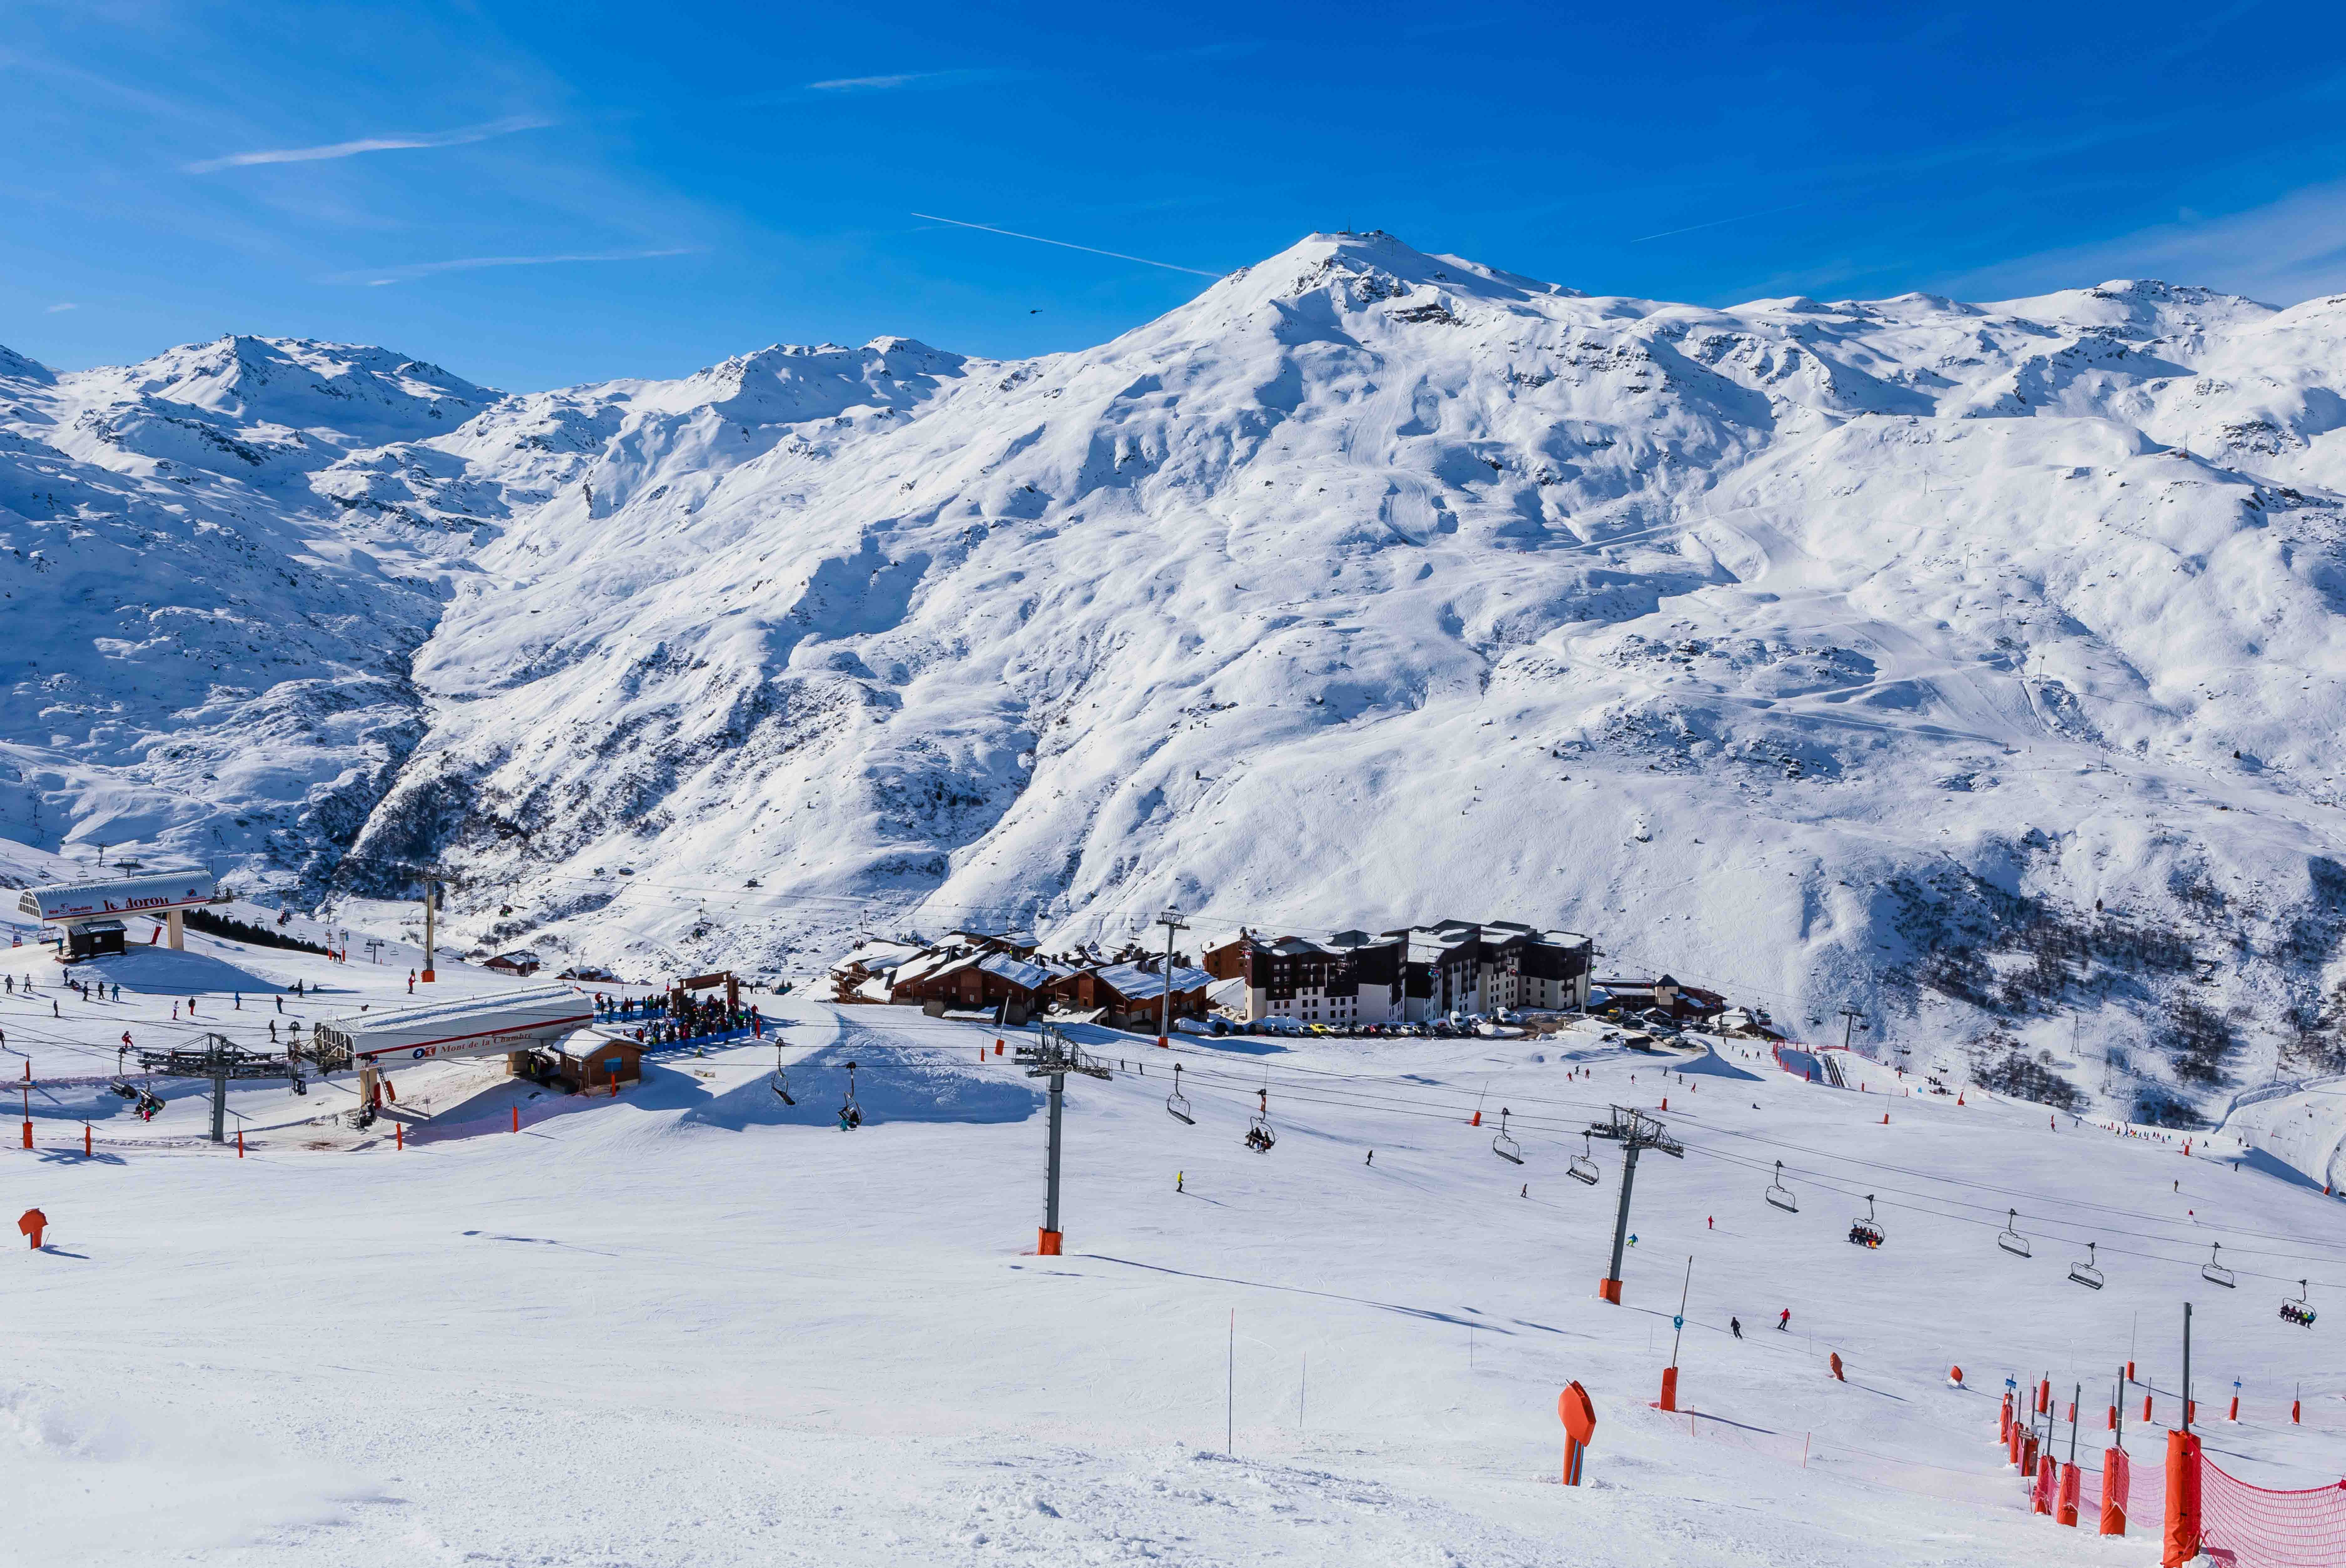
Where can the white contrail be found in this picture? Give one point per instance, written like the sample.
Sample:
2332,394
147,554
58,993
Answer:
1069,245
370,144
850,84
414,269
1715,222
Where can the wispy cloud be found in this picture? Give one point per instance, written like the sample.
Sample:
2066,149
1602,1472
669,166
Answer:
876,83
376,277
2286,250
395,143
1067,245
67,305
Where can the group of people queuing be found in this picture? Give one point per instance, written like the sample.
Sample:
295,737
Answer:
680,1018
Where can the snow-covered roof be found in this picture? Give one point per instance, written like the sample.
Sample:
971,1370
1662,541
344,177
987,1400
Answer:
1133,982
1033,976
930,964
1014,936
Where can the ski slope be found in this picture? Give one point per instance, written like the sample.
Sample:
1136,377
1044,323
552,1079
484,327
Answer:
689,1324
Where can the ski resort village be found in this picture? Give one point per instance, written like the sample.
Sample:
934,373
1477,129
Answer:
1353,911
1373,1246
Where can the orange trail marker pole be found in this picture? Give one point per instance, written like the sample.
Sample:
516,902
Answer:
1579,1418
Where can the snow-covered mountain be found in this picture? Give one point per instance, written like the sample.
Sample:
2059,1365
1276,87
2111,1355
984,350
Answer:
1977,666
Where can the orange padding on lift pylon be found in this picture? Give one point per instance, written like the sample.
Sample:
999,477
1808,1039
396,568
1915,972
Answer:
2182,1535
1047,1242
1610,1290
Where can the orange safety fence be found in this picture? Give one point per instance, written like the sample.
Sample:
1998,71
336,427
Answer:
2142,1495
2252,1527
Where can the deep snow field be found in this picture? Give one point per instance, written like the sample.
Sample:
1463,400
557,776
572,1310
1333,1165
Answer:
688,1325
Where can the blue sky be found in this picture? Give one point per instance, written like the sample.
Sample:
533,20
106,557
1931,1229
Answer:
534,195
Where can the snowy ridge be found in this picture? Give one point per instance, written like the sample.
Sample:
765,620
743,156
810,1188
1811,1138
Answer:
1976,664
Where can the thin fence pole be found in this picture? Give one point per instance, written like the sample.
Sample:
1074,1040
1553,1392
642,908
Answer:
1230,1388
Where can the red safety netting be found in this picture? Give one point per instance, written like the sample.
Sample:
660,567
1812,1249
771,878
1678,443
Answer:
2141,1496
2255,1528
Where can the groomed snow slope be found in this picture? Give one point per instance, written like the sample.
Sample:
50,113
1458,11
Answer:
1977,664
689,1326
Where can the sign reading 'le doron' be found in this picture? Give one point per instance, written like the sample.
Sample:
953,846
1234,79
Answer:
153,892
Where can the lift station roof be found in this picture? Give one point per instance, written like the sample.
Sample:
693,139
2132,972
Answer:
489,1024
150,893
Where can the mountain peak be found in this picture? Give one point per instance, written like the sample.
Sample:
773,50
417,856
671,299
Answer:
15,366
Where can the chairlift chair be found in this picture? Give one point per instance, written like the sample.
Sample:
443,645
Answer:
2214,1272
2084,1273
2009,1238
1865,1230
1583,1167
1504,1146
2298,1309
781,1084
850,1115
1780,1196
1259,1137
1176,1103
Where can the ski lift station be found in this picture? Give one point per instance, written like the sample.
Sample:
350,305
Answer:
509,1024
91,912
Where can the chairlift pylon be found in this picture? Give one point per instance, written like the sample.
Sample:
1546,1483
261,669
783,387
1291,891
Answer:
1259,1137
2214,1272
1505,1146
2298,1309
1176,1103
1865,1230
1583,1167
2084,1273
850,1115
2009,1238
1780,1196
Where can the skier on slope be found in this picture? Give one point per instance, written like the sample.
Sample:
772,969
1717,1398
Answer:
1735,1327
1784,1322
